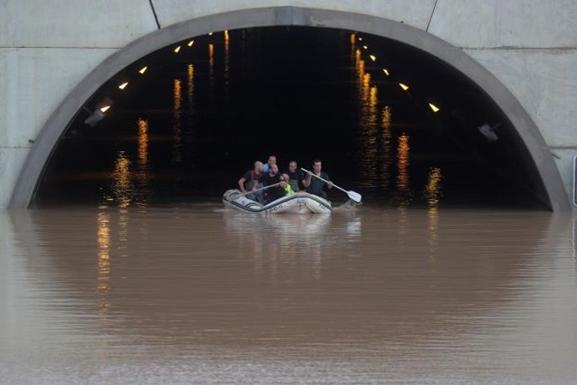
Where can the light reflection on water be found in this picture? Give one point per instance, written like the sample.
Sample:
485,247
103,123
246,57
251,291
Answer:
103,241
142,144
190,88
375,140
226,73
367,143
142,175
433,186
122,187
367,296
433,192
403,177
385,159
211,64
177,124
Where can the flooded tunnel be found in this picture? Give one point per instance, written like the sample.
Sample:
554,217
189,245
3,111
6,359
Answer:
182,124
132,270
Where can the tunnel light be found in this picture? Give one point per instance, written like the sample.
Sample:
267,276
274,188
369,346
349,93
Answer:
365,47
177,49
190,43
360,39
386,72
434,108
404,86
373,57
97,114
123,85
143,70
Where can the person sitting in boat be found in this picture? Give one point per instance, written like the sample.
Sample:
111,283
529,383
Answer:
251,181
296,176
314,185
267,166
285,184
271,178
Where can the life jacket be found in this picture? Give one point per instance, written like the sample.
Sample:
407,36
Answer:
288,189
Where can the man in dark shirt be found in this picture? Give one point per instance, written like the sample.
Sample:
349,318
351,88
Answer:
315,185
296,176
251,179
270,178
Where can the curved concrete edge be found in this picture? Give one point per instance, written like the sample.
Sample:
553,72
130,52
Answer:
282,16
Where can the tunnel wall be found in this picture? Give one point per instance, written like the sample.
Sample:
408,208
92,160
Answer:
46,49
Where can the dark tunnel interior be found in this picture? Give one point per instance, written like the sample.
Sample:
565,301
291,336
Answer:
183,124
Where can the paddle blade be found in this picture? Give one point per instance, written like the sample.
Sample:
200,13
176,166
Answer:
354,196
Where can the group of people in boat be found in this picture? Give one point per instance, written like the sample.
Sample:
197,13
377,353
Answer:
254,183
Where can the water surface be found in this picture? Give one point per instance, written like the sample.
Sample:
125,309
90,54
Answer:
197,294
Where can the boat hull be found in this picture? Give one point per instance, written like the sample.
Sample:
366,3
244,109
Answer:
300,203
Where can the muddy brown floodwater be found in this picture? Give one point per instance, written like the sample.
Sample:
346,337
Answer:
196,294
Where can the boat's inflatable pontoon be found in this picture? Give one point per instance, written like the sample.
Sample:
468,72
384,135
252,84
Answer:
299,203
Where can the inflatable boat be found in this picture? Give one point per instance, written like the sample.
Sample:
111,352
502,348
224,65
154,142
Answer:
299,203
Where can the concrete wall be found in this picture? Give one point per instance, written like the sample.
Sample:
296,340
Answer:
531,47
48,46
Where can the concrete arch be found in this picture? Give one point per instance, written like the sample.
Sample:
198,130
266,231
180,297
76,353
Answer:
296,16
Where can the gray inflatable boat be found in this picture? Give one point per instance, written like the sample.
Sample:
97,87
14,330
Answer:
299,203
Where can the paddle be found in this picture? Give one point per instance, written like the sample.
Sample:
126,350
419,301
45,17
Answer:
354,196
261,189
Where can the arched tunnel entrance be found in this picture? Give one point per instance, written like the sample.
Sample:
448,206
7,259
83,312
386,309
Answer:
142,278
183,122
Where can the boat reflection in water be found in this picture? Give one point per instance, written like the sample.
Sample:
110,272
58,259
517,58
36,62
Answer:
291,239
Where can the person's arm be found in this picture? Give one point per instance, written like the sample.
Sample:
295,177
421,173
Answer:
301,179
241,184
307,180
